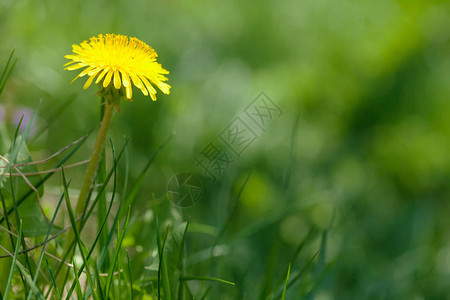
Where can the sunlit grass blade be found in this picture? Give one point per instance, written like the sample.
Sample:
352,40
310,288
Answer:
206,278
283,295
13,266
297,251
297,276
7,72
7,66
120,237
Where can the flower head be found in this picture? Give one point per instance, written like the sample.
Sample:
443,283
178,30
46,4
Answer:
118,62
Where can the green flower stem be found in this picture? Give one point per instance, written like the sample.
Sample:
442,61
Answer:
94,161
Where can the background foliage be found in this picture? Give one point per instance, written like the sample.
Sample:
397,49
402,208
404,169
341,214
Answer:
360,153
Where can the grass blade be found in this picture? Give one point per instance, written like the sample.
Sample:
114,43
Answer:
45,178
89,212
206,293
19,221
206,278
99,283
297,252
298,275
162,269
16,253
45,243
30,282
58,295
130,278
98,264
116,252
8,225
77,283
7,72
101,209
180,259
283,296
77,234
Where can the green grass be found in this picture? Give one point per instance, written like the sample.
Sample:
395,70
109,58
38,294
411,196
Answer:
102,249
98,253
344,196
172,279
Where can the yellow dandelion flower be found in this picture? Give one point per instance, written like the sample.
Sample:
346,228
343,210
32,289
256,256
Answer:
118,62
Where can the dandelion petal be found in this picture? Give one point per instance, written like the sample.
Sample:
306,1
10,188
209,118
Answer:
108,78
88,82
117,83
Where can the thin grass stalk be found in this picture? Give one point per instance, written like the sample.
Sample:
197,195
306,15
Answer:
11,272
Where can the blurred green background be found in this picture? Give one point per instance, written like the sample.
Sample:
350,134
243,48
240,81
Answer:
360,152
